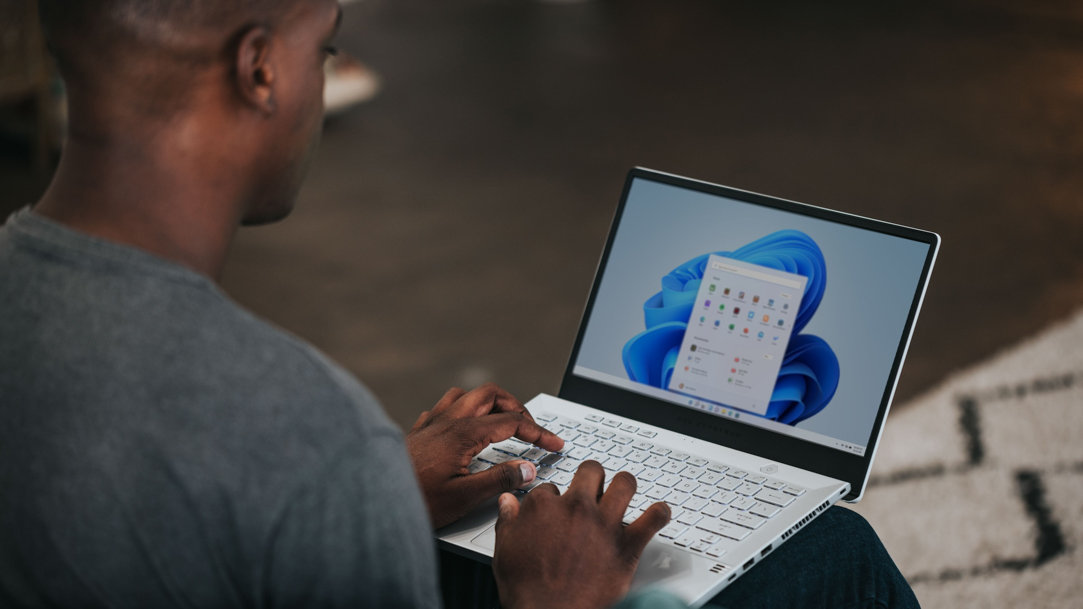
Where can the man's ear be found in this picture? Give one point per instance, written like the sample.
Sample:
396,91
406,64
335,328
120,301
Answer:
255,75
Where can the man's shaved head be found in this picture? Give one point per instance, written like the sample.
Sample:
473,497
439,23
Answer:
154,46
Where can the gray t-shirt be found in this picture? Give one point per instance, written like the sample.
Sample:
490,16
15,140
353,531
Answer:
162,447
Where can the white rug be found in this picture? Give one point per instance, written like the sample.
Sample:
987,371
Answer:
977,490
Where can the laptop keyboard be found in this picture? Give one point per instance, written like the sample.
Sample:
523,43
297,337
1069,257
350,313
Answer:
713,505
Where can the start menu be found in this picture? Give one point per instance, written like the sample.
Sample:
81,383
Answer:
737,334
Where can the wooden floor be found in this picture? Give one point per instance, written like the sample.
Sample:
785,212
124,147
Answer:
449,229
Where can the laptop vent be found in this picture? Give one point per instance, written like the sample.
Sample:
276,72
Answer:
718,568
797,527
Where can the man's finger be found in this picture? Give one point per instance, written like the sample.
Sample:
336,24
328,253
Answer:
422,419
497,479
588,480
495,428
637,534
450,397
507,509
483,400
615,500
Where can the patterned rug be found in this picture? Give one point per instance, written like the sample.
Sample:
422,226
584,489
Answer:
977,490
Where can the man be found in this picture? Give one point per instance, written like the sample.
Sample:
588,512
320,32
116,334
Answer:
161,446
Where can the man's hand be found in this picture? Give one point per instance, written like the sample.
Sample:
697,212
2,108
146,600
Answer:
444,440
571,551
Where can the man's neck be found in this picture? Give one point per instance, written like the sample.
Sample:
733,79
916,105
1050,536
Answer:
170,204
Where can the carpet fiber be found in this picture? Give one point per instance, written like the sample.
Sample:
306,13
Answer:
977,490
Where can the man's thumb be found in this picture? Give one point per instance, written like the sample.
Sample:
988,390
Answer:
504,477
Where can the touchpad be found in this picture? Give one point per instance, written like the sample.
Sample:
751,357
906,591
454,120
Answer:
659,562
486,540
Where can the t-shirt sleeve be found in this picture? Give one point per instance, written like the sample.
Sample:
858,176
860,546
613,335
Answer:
358,537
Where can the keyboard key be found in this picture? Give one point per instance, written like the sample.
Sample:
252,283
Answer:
649,475
568,435
602,446
710,477
744,519
742,503
677,498
634,468
595,418
679,456
706,492
747,489
774,485
646,433
715,552
756,479
728,484
668,480
699,546
642,445
697,462
629,428
616,464
611,423
713,510
495,456
622,439
546,473
604,434
695,503
478,466
673,530
620,451
693,473
723,528
638,456
736,473
568,465
688,486
588,429
545,416
562,478
796,491
585,441
548,461
685,540
661,451
774,497
655,462
578,453
766,510
657,493
674,467
535,453
717,468
690,517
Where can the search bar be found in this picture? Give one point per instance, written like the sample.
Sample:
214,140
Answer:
754,274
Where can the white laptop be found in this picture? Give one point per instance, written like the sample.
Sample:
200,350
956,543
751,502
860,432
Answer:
738,354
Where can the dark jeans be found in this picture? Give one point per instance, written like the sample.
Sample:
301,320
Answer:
836,561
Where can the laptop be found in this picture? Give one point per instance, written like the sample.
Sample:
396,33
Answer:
738,354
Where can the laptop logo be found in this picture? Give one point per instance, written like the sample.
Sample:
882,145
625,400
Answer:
663,562
770,468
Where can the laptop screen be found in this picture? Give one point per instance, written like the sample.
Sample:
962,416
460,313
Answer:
762,312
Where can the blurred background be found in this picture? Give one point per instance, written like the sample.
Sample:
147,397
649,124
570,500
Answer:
450,226
451,223
476,149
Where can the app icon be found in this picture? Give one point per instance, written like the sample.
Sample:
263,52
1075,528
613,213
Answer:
737,359
716,323
736,310
686,368
741,295
707,303
766,318
785,306
770,302
760,334
755,299
712,288
733,371
726,291
780,323
722,307
702,318
746,330
731,326
774,338
692,348
730,381
751,314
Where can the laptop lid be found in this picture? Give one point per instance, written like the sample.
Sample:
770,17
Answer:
765,325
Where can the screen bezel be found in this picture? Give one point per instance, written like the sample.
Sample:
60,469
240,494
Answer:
762,442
